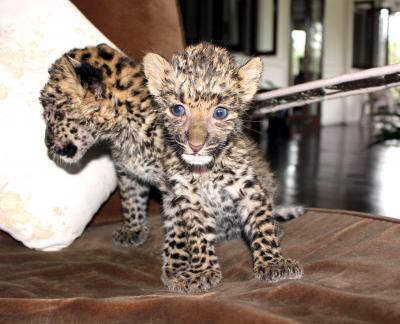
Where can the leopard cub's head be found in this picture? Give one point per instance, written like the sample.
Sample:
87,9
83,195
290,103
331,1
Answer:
66,137
202,94
74,89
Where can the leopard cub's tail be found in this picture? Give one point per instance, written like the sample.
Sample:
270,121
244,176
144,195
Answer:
286,213
283,214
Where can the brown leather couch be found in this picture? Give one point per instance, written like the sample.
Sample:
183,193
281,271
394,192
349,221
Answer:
351,260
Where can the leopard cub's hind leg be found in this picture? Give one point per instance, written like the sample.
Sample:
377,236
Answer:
134,196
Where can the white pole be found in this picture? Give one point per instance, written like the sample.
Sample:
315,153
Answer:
350,80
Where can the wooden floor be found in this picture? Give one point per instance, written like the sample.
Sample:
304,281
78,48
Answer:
333,167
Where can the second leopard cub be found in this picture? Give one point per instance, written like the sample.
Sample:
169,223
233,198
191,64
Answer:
217,184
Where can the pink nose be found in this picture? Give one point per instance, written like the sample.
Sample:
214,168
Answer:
196,147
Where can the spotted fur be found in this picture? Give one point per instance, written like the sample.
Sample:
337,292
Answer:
218,185
97,94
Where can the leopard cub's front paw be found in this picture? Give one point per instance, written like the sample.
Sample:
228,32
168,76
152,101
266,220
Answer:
193,281
278,269
126,237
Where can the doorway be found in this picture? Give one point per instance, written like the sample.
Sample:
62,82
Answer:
306,44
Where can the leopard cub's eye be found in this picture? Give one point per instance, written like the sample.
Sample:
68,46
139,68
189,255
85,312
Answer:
220,113
177,110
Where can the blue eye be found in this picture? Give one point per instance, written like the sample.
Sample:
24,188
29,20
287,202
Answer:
220,113
177,110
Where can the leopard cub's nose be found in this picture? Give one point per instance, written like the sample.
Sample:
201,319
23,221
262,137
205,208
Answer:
67,150
196,147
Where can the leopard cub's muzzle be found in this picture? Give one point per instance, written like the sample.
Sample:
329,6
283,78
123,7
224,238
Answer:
67,149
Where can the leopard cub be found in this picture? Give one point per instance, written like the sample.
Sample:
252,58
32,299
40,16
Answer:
99,95
217,184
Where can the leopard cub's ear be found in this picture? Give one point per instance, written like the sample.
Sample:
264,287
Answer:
87,75
68,65
155,69
250,75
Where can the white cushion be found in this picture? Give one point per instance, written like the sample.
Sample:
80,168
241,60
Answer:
41,204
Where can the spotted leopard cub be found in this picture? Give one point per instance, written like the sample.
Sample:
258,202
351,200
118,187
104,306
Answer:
218,186
97,94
